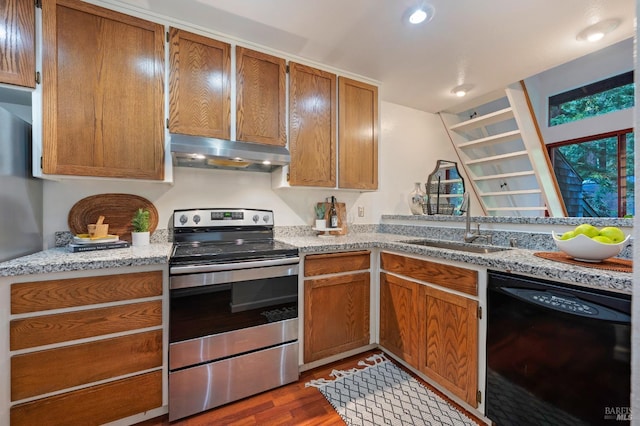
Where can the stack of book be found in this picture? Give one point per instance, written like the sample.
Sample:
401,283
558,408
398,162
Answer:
83,242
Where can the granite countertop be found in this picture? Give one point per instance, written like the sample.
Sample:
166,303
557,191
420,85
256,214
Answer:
59,259
513,260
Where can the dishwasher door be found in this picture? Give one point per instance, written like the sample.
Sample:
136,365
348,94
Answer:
556,354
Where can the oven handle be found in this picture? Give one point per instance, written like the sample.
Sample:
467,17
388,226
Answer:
179,270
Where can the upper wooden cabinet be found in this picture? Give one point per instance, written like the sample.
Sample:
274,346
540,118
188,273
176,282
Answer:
260,97
358,134
103,92
17,55
199,85
312,126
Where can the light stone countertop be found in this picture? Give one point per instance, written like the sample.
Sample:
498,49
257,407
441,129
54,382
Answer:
518,261
59,259
513,260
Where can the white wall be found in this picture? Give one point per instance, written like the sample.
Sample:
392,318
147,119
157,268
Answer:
605,63
635,314
410,142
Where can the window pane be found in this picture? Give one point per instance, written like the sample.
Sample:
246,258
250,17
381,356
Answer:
587,174
629,198
613,94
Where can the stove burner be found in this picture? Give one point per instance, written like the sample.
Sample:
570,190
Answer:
229,236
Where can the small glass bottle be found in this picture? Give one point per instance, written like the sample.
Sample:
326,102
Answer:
333,214
417,199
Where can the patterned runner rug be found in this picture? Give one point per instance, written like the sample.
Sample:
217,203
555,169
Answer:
381,393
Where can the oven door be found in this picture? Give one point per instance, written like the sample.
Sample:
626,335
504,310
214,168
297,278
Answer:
214,315
233,333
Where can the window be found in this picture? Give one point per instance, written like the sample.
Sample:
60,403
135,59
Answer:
595,174
611,94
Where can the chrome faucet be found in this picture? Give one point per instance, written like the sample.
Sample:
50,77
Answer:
469,236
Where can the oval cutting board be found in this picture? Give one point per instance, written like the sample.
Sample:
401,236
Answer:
117,209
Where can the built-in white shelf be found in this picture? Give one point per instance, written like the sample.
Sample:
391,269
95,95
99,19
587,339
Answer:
484,120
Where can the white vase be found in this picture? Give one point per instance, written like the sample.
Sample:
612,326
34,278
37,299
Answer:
139,239
321,224
416,199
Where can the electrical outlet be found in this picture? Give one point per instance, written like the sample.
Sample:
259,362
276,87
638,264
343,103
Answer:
360,211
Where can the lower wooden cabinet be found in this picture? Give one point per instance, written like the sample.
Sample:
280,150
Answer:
336,306
94,405
431,327
449,341
86,350
399,317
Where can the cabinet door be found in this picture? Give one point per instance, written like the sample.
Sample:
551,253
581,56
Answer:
399,317
312,126
358,134
103,92
199,85
336,315
260,87
449,341
17,56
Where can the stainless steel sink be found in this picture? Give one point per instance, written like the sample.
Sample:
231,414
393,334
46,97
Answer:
452,245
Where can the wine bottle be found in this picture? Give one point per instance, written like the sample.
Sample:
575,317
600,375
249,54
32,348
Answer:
333,214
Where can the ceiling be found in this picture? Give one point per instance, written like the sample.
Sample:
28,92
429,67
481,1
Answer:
489,44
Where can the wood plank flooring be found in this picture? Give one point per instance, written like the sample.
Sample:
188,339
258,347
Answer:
292,404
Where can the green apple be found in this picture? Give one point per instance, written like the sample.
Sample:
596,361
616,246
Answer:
602,239
568,235
586,229
613,233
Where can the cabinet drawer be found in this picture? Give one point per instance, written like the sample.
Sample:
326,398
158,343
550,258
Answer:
48,329
331,263
95,405
57,294
453,277
46,371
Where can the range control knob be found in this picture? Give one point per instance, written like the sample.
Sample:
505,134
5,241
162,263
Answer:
196,218
183,219
265,218
256,218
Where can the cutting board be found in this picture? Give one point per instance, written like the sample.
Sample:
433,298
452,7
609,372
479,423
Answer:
117,209
342,217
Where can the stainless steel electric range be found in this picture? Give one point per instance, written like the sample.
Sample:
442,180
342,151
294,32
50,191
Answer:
233,321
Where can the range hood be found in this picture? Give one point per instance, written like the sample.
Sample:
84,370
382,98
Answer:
212,153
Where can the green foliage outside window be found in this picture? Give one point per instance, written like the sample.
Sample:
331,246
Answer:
611,100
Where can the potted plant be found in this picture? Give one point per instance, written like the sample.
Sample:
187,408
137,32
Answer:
321,222
140,222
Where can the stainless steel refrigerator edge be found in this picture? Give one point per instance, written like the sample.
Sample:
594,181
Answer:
20,193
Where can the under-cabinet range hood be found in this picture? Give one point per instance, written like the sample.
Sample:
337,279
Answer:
212,153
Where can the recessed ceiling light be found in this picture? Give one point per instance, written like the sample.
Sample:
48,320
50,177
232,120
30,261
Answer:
419,14
597,31
462,90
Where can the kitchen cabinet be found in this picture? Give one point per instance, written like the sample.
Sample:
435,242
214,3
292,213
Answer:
260,97
17,56
357,135
312,126
447,320
199,85
103,93
399,301
336,303
81,346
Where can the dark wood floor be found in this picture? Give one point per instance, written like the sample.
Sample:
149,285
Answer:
292,404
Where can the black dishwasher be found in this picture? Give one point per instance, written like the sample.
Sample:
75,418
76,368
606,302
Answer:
556,354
